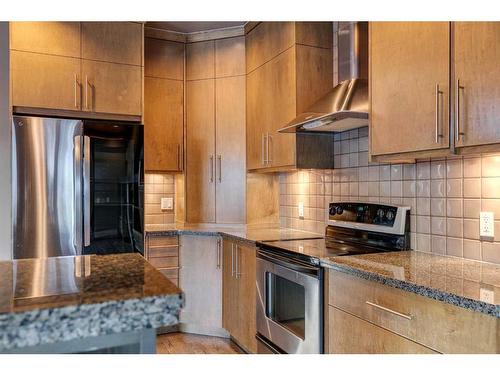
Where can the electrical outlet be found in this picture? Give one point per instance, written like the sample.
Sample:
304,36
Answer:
167,203
487,295
301,210
487,226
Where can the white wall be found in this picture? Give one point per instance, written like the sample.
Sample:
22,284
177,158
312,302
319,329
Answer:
5,148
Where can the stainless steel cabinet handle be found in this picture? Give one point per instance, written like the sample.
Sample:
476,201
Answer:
269,154
211,168
178,156
77,185
218,253
86,190
438,94
458,133
232,259
86,92
409,317
219,158
236,266
76,90
263,149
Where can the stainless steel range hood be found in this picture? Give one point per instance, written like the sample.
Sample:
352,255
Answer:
346,105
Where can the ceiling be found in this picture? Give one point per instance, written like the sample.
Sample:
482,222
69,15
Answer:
193,27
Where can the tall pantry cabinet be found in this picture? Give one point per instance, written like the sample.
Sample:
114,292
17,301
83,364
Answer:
215,131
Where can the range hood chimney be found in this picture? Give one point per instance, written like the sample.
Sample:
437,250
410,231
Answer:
346,105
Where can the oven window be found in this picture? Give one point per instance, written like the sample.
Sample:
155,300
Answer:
286,303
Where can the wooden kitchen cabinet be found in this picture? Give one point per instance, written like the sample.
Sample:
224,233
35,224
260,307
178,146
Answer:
45,81
409,75
284,77
477,72
112,88
215,132
200,278
116,42
239,287
396,321
53,38
163,106
200,153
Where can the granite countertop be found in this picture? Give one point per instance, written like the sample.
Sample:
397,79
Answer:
448,279
44,301
242,233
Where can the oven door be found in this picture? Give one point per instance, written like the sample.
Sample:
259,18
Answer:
289,305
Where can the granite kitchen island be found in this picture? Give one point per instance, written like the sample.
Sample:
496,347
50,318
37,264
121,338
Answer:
84,304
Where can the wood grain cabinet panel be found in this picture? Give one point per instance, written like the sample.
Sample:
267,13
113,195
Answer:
200,60
55,38
163,59
230,146
45,81
200,153
409,79
229,289
163,124
116,42
477,69
230,57
351,335
112,88
314,34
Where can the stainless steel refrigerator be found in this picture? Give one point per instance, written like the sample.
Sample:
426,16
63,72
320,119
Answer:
78,187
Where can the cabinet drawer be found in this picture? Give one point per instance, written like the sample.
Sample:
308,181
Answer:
163,241
351,335
170,273
160,252
437,325
164,262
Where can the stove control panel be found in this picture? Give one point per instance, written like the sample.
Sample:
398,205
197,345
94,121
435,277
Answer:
365,213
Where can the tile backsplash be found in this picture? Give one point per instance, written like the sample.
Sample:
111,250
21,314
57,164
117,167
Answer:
445,195
158,186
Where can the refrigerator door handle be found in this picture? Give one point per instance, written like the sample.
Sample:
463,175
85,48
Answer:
86,190
77,191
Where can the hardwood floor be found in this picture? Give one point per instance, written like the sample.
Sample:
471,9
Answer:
185,343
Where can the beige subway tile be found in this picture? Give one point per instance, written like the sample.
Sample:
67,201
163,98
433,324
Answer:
497,230
438,245
396,189
438,225
454,207
385,172
423,224
491,205
454,246
472,167
438,169
423,170
385,188
409,171
471,229
491,166
491,187
438,188
396,200
472,188
363,189
423,206
472,249
409,188
423,188
454,188
490,251
454,227
472,207
454,168
423,242
410,202
438,207
373,173
396,171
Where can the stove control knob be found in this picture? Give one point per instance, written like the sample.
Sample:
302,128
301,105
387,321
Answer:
333,210
390,215
380,213
340,210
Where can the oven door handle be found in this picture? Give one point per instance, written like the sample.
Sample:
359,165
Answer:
289,263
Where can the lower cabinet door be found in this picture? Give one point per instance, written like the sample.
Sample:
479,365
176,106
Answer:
200,278
351,335
229,290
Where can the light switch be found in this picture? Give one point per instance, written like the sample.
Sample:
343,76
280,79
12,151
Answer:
301,210
487,226
167,203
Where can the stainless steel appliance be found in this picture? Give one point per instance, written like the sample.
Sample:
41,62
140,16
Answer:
290,277
78,187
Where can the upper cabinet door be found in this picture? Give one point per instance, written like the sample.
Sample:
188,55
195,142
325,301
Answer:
117,42
477,72
409,79
163,59
45,81
54,38
111,88
200,60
